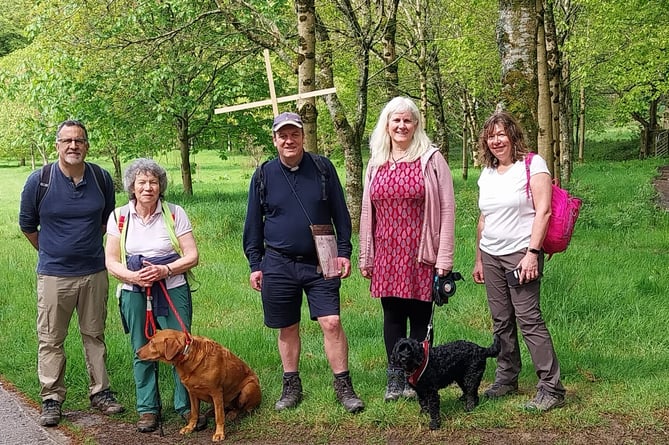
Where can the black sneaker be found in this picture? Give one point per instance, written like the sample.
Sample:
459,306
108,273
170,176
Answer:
346,395
106,402
50,413
292,393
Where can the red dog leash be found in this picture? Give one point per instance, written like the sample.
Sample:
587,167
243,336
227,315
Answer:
150,324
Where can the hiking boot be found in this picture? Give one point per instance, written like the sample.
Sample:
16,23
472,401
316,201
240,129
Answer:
346,396
201,420
292,393
544,401
408,392
147,423
50,413
395,386
497,390
106,402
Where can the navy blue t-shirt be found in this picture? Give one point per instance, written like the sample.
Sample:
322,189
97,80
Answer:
284,226
70,220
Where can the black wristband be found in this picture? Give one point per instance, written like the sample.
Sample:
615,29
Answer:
534,251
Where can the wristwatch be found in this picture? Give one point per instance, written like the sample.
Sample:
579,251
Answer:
534,251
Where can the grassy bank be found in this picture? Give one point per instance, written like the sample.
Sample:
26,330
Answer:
604,301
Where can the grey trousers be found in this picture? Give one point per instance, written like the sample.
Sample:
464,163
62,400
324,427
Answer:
518,307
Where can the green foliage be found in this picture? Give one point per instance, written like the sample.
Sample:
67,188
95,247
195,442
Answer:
603,299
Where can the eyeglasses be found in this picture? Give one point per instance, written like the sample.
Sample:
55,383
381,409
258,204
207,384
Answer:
78,142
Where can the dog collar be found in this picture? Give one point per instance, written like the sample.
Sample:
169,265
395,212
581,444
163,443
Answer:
418,373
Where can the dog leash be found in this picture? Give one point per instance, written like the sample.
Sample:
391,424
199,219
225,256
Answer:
418,373
150,323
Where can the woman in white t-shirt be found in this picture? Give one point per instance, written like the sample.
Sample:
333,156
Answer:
510,233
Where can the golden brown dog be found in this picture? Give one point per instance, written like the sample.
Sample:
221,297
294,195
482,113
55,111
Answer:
210,372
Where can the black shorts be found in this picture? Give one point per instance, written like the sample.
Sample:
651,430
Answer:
284,281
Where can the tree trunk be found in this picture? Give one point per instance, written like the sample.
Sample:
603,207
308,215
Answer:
544,108
389,51
350,137
183,139
516,39
553,62
581,123
306,74
566,124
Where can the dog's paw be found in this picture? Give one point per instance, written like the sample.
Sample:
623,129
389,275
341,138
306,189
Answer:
186,430
435,424
217,437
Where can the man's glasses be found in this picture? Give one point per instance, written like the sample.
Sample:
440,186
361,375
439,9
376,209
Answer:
78,142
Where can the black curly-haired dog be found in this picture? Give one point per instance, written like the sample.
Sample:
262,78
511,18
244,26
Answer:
461,361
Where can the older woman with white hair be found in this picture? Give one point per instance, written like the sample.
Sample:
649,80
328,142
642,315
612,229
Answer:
150,247
407,227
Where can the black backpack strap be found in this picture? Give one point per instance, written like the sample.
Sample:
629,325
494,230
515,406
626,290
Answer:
99,178
44,180
322,169
260,185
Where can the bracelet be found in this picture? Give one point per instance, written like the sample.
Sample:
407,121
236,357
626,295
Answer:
534,251
169,270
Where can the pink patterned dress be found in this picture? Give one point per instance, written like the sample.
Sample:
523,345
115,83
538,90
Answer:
398,200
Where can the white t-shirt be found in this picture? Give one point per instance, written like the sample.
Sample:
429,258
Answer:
508,212
151,239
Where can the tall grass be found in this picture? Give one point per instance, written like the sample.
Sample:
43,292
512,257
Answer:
604,301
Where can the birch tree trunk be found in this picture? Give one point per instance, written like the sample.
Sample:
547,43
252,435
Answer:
306,74
516,39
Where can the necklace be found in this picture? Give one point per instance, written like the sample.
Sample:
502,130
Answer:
395,161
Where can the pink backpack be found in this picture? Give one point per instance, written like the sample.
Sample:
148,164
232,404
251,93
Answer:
564,212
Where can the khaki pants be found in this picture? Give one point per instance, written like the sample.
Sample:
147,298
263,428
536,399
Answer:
57,298
518,307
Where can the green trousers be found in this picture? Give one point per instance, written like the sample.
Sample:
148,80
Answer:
133,311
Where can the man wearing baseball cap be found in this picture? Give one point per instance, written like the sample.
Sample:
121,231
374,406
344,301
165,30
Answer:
287,196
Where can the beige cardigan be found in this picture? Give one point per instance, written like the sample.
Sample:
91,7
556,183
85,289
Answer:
437,239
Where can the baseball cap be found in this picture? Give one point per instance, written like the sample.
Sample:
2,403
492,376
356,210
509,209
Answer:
286,118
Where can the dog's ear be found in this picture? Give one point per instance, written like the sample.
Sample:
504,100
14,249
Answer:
172,348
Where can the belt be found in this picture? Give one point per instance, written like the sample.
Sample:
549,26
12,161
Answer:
309,259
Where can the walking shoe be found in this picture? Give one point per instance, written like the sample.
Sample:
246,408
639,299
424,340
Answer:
395,386
106,402
147,423
497,390
346,396
50,413
544,401
408,392
292,393
201,420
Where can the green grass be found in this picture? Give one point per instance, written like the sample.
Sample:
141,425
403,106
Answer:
604,301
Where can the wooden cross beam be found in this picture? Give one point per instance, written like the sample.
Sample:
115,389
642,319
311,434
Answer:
273,100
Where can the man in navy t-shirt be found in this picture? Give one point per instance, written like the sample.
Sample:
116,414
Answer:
66,228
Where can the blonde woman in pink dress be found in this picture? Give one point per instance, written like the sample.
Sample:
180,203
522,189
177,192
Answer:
407,227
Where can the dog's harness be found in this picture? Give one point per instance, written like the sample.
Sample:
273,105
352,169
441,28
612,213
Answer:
418,373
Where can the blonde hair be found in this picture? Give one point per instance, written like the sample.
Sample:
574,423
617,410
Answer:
380,146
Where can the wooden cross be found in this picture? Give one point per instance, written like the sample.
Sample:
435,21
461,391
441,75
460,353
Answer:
273,100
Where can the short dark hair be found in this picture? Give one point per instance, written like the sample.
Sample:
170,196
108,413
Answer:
72,123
